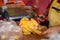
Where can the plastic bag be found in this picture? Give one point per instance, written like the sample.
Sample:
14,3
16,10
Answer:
54,36
54,15
9,30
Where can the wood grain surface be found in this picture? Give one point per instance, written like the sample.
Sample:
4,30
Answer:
33,37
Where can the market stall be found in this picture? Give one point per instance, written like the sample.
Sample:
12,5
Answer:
29,20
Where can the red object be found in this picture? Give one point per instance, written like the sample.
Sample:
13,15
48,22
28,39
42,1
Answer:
1,2
29,2
58,1
42,5
38,21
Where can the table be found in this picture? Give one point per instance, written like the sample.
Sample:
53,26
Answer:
32,37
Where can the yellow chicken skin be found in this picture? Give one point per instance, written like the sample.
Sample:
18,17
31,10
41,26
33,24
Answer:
29,26
54,14
24,26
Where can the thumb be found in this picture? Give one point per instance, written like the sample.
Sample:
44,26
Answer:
46,32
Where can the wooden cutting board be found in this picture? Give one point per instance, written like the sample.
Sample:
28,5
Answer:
32,37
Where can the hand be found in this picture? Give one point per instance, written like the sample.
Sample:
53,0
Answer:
52,30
